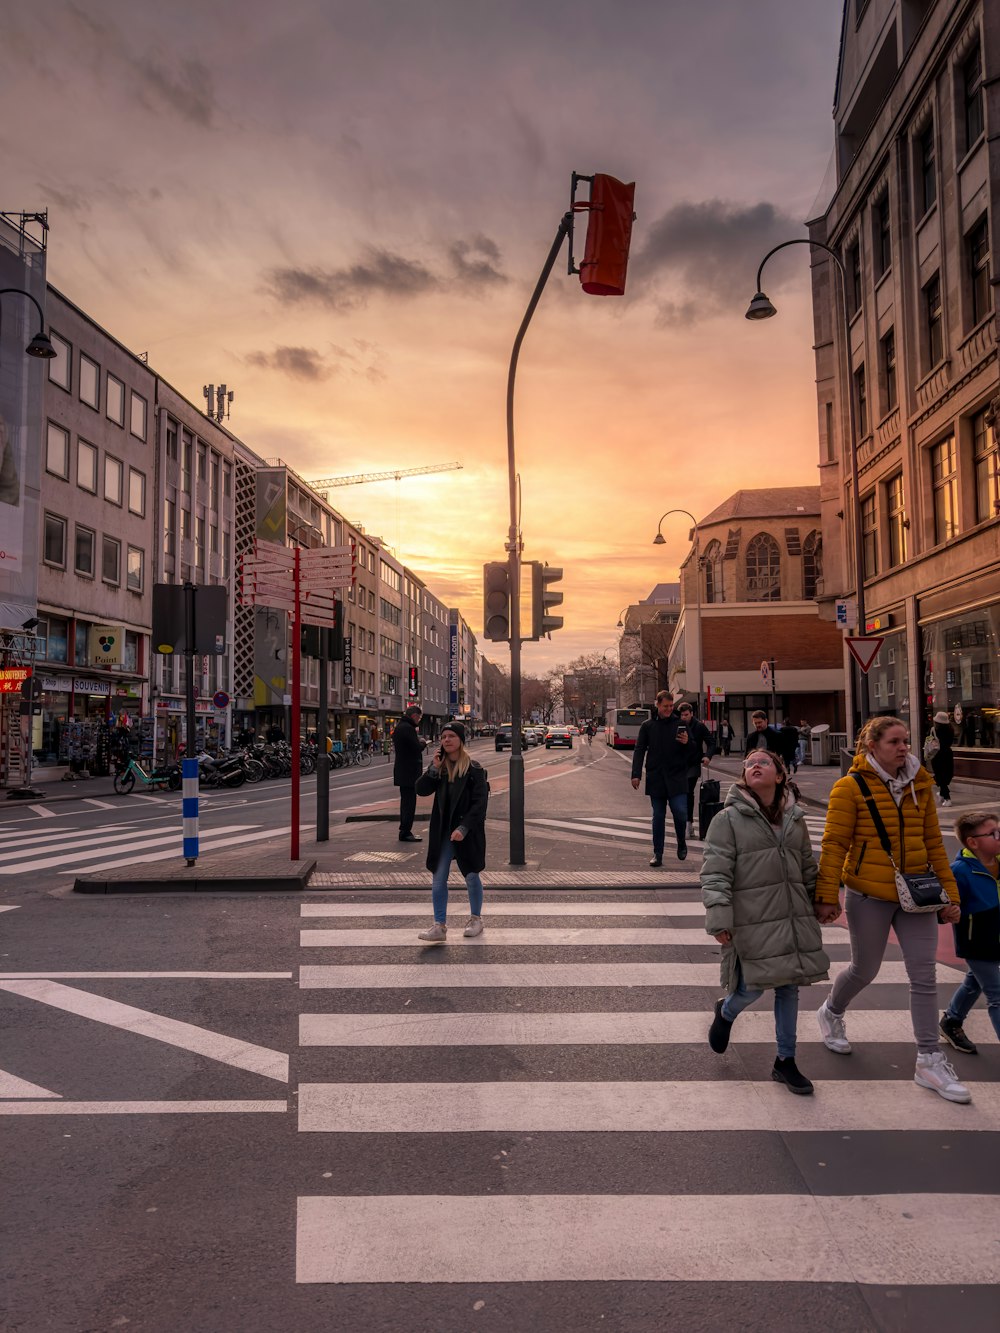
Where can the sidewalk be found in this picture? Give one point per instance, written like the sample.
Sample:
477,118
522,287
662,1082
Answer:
51,781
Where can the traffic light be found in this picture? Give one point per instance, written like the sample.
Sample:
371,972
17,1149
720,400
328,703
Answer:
541,599
609,232
496,601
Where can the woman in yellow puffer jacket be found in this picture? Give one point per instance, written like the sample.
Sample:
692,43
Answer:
852,855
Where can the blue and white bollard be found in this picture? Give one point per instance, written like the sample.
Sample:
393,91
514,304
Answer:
189,776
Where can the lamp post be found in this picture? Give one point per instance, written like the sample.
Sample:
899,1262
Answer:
761,308
40,345
660,540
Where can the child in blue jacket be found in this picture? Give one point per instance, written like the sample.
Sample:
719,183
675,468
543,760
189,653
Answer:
977,935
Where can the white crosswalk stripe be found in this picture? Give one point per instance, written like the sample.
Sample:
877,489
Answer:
453,1050
112,845
636,828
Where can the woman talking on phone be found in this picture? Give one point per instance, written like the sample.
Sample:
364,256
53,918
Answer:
457,830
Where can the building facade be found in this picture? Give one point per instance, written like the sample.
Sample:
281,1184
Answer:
918,161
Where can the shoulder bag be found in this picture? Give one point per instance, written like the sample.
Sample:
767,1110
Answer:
917,893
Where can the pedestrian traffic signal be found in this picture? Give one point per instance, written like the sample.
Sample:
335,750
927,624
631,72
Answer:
609,232
496,601
542,576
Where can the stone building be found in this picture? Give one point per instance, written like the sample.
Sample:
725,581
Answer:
917,150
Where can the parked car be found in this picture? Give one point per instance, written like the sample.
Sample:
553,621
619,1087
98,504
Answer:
559,736
503,740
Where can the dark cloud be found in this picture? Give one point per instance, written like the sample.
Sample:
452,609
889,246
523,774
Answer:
380,273
476,262
707,255
300,363
186,90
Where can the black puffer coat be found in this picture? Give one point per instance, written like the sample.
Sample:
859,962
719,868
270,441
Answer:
461,803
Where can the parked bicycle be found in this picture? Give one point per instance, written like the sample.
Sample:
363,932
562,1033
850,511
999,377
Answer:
168,776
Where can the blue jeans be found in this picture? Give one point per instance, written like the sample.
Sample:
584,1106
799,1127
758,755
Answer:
786,1012
982,978
679,810
439,886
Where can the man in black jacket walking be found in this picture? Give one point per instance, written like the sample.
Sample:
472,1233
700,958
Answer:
666,746
762,737
705,748
406,768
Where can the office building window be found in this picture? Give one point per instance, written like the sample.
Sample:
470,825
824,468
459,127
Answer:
202,462
896,515
114,404
113,472
944,480
812,565
136,491
972,96
55,632
61,365
134,571
869,535
54,547
111,560
977,249
888,346
861,401
86,466
187,461
933,322
853,280
926,172
169,527
137,416
90,383
763,569
986,458
199,543
57,451
882,237
86,546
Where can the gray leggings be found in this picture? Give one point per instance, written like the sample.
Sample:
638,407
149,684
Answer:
869,921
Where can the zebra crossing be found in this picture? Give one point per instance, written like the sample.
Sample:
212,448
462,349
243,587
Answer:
636,828
539,1106
67,850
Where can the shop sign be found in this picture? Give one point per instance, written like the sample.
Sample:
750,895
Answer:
348,668
107,645
58,683
12,678
453,667
82,686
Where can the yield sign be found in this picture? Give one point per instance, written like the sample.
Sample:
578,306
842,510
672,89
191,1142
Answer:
865,650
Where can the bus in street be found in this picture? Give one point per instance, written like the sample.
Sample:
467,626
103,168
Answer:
622,725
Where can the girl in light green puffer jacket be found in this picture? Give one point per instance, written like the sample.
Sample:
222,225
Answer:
758,879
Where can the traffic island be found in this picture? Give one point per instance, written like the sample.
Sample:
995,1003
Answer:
259,874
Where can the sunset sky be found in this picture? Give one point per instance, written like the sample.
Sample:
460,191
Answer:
340,209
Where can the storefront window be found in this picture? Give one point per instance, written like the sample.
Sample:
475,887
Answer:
888,679
962,675
57,642
81,654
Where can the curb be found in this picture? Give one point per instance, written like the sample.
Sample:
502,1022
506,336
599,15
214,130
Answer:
132,880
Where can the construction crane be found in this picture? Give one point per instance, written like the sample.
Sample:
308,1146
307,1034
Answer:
328,483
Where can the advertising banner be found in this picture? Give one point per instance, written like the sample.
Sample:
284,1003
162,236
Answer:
348,665
453,673
107,645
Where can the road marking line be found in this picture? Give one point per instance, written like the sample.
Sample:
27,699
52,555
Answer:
42,812
648,1238
99,805
515,1028
516,1107
214,1045
77,838
209,842
145,976
12,908
590,908
18,841
158,800
568,828
586,976
139,1108
559,936
12,1086
169,833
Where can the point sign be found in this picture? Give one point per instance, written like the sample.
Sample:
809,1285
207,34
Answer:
865,650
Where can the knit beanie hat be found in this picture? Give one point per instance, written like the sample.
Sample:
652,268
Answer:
457,727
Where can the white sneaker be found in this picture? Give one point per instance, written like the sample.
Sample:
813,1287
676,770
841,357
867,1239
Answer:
833,1030
474,928
437,934
944,803
933,1071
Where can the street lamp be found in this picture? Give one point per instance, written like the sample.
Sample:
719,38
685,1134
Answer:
660,540
761,308
40,345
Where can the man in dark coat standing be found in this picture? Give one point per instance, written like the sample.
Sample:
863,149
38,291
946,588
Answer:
762,737
668,749
406,768
705,748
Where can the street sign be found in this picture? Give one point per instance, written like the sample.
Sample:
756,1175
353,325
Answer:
220,699
865,650
765,674
12,678
716,692
847,613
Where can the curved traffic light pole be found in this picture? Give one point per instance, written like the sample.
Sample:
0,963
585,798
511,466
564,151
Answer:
513,548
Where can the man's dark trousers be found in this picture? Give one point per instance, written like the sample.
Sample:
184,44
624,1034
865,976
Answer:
407,809
678,808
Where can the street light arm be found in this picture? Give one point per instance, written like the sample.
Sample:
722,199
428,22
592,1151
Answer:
685,512
6,291
803,240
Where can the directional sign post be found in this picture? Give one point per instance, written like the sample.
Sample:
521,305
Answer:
864,650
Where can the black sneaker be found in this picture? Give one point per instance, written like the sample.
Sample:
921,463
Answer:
786,1071
656,861
682,851
409,837
954,1034
718,1033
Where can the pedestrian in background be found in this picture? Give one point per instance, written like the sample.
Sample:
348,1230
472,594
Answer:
938,751
664,745
762,737
977,935
805,736
758,878
726,736
902,810
406,769
457,829
788,738
704,749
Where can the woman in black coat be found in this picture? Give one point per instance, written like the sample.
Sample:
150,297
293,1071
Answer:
943,763
457,829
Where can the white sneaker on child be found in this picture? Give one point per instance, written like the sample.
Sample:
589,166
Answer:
933,1071
833,1030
